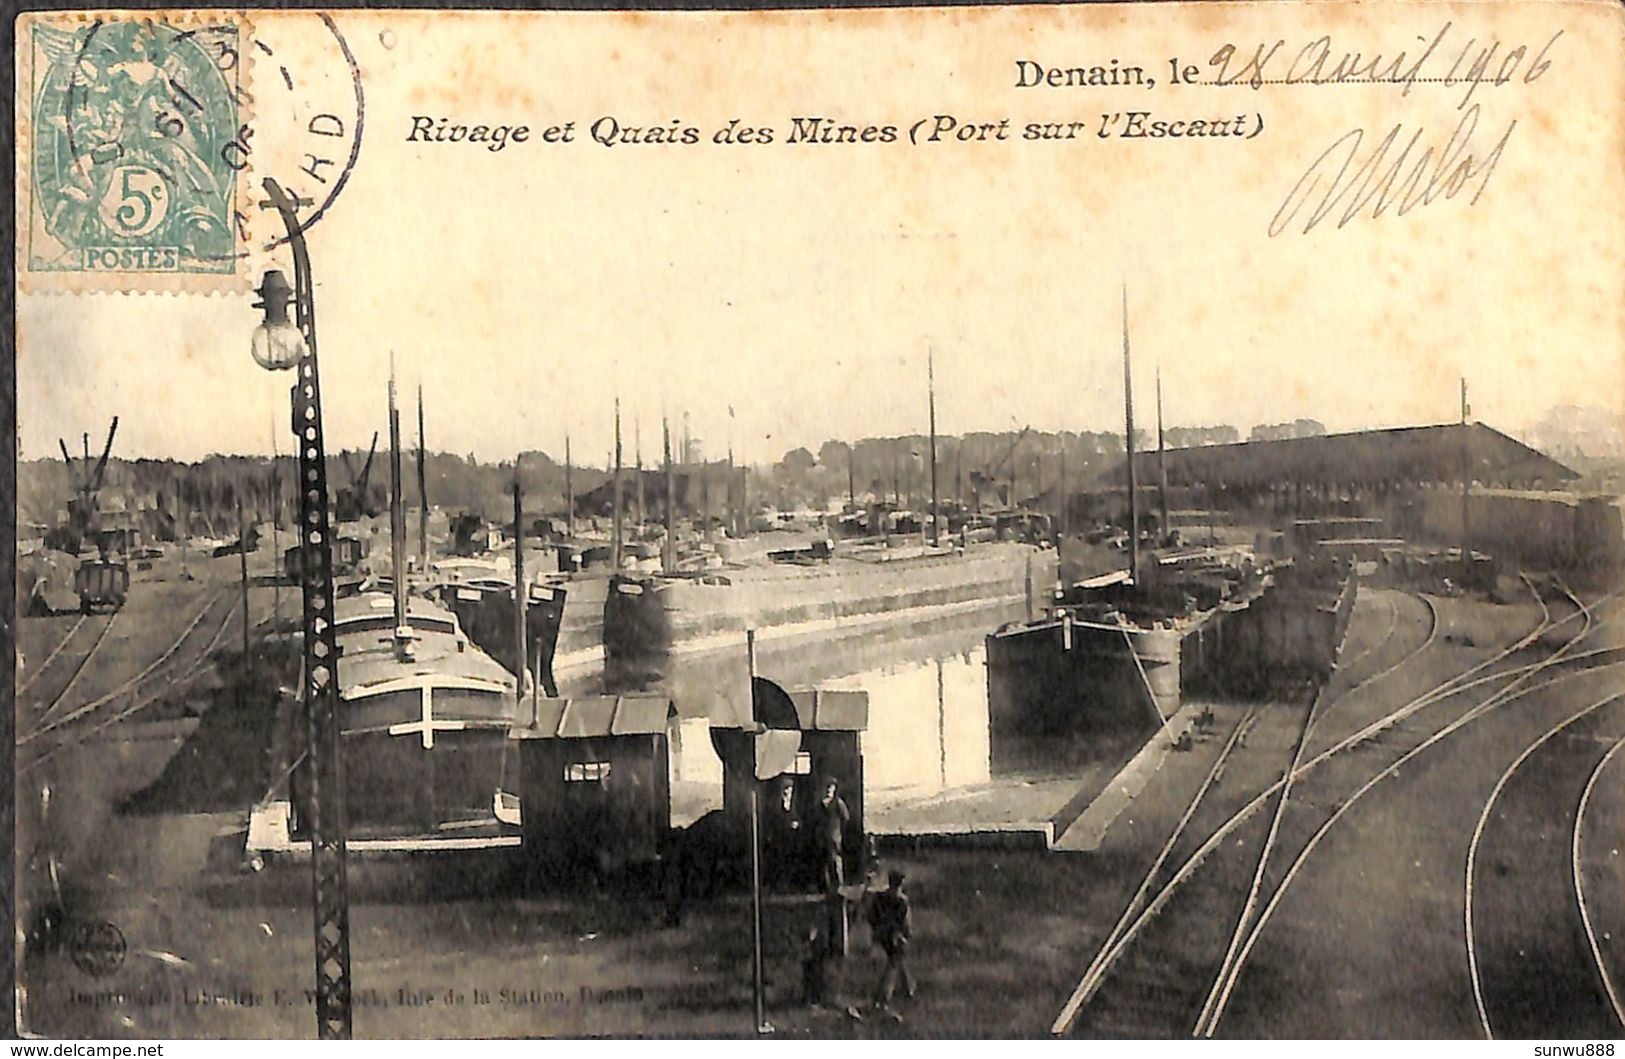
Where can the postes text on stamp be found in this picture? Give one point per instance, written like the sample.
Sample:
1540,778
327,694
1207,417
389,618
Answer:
133,152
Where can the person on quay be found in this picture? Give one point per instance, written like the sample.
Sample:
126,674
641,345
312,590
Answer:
891,921
833,818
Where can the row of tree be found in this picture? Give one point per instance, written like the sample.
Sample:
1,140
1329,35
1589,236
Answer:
171,497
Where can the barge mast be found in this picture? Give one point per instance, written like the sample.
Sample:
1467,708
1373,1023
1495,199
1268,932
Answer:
668,549
423,494
931,398
637,449
521,589
615,531
1162,463
397,523
569,493
1128,442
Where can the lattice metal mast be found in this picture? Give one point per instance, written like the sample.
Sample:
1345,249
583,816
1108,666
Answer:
324,780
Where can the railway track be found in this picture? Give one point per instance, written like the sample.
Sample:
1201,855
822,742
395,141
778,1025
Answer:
1544,986
50,722
1373,679
1610,987
1150,975
1136,916
1136,902
1449,690
1387,634
79,668
37,671
201,667
1144,969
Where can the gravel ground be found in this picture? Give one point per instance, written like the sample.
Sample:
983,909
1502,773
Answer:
1368,941
994,953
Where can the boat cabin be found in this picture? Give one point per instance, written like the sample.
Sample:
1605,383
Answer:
424,717
597,793
484,608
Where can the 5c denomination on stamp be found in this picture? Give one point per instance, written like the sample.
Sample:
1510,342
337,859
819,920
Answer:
132,154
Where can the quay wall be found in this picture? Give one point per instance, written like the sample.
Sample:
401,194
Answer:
1063,679
649,622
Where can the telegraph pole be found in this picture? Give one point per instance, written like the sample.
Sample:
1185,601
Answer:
1062,488
1466,479
324,780
758,985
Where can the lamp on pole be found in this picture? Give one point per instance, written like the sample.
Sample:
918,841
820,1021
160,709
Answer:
279,344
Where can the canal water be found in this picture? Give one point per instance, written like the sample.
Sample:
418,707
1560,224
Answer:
928,731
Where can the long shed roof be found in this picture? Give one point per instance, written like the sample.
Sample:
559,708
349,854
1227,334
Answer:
1401,454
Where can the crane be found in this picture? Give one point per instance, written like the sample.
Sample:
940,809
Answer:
83,505
978,479
354,501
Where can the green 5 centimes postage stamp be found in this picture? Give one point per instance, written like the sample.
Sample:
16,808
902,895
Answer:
132,150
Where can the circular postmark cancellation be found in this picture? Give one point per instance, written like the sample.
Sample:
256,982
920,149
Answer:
310,115
96,948
149,140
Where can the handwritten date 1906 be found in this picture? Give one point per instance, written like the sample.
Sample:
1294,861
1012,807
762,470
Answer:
1321,61
1339,178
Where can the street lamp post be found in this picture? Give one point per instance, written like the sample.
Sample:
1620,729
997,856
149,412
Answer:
279,344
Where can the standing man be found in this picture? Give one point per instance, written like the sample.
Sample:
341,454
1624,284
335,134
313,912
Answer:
785,853
892,922
833,816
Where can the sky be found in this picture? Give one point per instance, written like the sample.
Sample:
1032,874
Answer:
803,285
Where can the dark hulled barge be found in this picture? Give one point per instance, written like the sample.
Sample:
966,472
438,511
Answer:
424,718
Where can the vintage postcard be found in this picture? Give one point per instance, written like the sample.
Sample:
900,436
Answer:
1086,521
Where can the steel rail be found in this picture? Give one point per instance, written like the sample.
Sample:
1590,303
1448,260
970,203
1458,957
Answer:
1482,1009
1074,1004
1114,947
1388,633
1495,699
1251,903
1433,633
200,667
1447,689
1608,984
73,631
79,670
42,728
